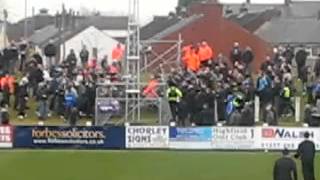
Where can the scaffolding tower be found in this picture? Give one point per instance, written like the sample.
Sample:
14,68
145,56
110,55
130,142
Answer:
132,65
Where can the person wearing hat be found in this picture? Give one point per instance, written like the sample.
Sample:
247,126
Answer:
285,168
306,152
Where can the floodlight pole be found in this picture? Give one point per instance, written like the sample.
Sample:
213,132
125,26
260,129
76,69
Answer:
25,19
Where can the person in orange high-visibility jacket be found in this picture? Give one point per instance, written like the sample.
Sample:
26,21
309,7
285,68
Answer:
7,87
151,90
186,50
117,53
193,62
205,52
7,82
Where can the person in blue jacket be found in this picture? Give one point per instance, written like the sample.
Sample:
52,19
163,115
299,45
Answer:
70,101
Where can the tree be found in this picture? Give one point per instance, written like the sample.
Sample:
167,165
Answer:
186,3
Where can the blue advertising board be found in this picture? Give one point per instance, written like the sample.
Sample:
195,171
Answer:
190,138
69,137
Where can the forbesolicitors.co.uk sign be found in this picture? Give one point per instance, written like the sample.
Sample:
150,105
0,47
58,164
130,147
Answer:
69,137
147,137
6,136
157,137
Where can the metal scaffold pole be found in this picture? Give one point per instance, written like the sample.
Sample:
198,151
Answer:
132,72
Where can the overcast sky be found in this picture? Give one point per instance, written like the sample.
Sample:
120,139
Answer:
148,8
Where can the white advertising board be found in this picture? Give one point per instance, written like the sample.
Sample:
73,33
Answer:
278,138
147,137
234,138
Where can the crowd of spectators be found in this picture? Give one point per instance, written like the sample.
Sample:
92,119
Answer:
207,88
66,89
223,88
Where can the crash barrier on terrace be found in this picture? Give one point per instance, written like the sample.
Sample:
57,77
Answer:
297,101
156,137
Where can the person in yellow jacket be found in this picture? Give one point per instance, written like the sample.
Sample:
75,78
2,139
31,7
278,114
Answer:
174,96
285,100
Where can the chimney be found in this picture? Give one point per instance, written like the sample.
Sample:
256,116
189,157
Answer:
288,2
228,11
248,1
43,11
73,20
213,1
243,9
33,19
210,9
58,19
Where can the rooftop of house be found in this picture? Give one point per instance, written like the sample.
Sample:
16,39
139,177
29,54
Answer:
291,31
295,9
45,22
159,24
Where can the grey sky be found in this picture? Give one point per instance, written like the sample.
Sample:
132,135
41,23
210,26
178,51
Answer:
148,8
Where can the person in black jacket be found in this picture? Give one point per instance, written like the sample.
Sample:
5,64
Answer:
71,59
104,63
285,168
206,116
288,54
247,58
23,97
5,117
23,54
11,56
74,117
91,95
306,152
84,56
317,67
37,57
301,57
50,52
247,115
236,53
35,77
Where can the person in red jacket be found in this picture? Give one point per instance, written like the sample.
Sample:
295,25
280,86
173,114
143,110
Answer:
150,91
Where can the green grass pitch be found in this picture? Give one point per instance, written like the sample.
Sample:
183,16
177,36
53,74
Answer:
137,165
